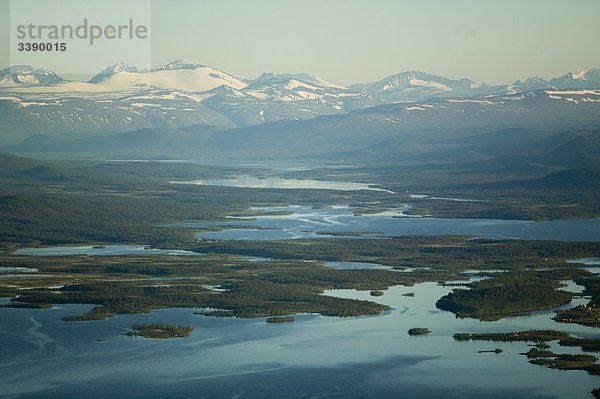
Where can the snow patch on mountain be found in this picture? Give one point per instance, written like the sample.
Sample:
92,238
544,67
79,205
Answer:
303,77
179,75
25,75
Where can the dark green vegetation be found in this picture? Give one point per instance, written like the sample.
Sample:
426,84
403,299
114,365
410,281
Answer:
159,331
96,202
516,163
109,202
543,356
517,336
283,319
376,293
248,288
454,253
586,315
582,314
134,284
44,202
509,293
496,351
540,337
514,173
419,331
28,305
564,361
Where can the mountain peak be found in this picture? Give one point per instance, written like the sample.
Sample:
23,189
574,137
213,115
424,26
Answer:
302,77
531,83
25,75
112,70
588,74
588,78
416,79
177,75
181,63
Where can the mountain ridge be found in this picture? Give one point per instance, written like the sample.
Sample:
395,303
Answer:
181,93
588,77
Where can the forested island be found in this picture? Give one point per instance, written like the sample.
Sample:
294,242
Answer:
540,354
419,331
283,319
276,287
159,331
284,285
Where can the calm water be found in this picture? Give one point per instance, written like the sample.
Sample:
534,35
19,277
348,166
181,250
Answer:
306,222
278,182
105,250
315,356
358,265
591,264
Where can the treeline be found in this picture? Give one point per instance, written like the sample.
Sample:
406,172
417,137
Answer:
111,205
588,315
507,294
413,251
248,289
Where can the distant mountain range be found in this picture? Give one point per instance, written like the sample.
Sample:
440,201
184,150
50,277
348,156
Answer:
121,98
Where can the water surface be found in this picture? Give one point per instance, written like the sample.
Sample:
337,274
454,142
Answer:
105,250
278,182
44,357
306,222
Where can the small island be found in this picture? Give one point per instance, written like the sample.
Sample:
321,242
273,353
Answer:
540,355
159,331
563,361
376,293
419,331
496,351
285,319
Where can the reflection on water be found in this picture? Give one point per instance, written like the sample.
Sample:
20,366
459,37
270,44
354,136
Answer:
102,250
357,265
278,182
306,222
18,270
43,357
591,264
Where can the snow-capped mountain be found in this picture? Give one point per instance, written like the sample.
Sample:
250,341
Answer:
413,85
396,130
181,75
304,77
122,97
532,83
24,75
588,78
20,117
273,97
112,70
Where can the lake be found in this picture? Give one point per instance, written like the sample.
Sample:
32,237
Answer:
278,182
306,222
591,264
104,250
314,356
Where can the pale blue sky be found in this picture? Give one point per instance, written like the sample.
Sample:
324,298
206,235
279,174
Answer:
350,41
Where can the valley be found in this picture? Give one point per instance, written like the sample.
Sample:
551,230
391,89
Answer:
183,202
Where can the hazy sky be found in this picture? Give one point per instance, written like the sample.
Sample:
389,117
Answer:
350,41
